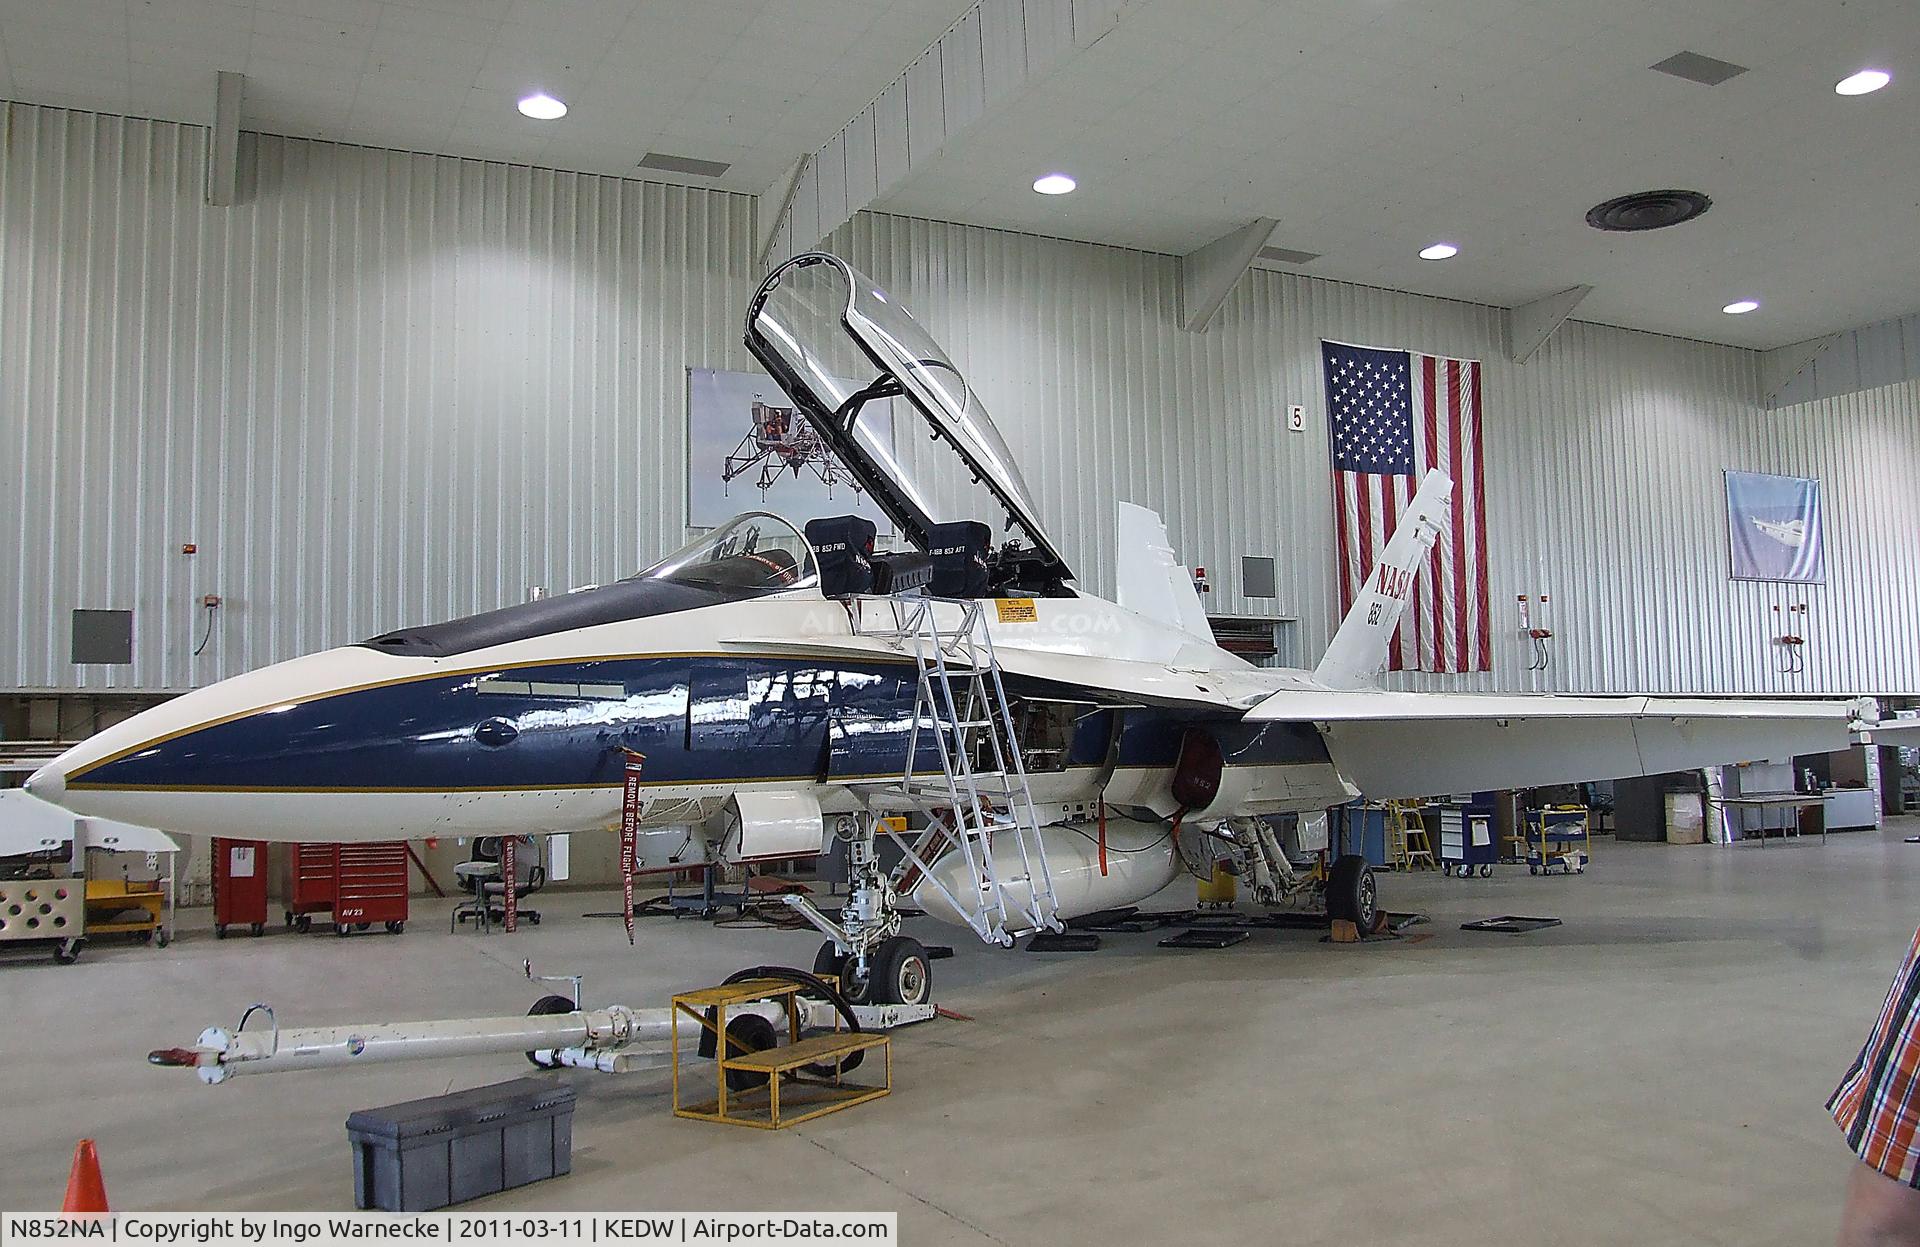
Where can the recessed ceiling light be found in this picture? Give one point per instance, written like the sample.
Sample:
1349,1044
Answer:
542,107
1740,308
1439,251
1865,82
1054,184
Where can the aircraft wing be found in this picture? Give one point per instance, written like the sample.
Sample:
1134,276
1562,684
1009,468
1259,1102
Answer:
1394,744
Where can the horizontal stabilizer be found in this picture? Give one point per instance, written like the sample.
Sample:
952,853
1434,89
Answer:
1394,745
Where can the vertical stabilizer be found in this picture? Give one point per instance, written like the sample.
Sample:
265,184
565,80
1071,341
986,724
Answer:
1151,580
1359,648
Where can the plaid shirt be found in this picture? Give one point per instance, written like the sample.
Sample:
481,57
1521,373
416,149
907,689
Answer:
1876,1103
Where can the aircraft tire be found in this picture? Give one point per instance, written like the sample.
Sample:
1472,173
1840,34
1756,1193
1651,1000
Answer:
1351,893
902,974
829,960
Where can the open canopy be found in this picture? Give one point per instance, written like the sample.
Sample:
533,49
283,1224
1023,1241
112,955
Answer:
844,350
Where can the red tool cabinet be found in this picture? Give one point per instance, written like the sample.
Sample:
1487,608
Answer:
239,886
360,884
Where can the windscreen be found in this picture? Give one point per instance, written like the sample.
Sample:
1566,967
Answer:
837,334
756,551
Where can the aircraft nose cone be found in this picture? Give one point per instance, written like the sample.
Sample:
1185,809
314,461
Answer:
49,783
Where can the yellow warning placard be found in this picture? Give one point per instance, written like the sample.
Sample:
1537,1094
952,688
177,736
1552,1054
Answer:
1016,610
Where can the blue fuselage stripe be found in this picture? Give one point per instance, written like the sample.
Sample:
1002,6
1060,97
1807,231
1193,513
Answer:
568,725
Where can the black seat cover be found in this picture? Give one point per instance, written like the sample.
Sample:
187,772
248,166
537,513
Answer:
959,551
843,547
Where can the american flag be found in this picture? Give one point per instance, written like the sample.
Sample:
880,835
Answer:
1392,416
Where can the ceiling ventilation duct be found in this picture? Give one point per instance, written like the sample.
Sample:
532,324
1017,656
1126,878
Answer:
1646,210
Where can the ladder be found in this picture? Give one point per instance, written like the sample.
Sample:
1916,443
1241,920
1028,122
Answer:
978,798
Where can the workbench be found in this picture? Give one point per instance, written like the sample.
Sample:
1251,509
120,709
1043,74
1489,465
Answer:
1764,801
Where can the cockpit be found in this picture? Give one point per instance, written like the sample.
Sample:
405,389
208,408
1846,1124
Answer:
749,556
898,413
903,418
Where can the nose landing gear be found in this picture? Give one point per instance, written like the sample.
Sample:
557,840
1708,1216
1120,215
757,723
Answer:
898,972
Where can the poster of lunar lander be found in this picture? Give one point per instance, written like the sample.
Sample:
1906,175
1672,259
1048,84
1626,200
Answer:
748,447
782,440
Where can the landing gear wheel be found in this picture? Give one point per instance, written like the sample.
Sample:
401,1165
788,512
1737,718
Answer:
546,1006
1351,893
829,962
395,928
66,952
898,973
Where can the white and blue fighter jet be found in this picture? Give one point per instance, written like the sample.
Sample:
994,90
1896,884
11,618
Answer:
1057,753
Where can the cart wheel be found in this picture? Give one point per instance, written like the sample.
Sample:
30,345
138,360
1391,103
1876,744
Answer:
547,1006
1533,870
303,924
1486,870
66,952
342,930
146,936
289,919
162,940
219,931
533,919
747,1034
1446,869
361,926
395,928
258,929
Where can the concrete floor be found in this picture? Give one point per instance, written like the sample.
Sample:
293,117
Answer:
1652,1072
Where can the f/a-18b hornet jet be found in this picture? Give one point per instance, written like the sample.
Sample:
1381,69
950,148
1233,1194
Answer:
1054,753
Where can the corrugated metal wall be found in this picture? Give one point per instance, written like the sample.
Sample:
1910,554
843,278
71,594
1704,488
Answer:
1604,466
384,388
390,388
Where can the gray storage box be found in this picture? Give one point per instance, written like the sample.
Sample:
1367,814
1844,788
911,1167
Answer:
448,1149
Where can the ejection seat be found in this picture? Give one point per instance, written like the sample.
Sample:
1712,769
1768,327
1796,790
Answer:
843,551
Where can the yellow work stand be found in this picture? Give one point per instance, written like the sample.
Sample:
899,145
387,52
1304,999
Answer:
787,1095
110,901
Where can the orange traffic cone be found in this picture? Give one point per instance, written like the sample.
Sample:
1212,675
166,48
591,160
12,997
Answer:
86,1191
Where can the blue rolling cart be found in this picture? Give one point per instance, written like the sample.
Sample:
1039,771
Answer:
1468,839
1557,836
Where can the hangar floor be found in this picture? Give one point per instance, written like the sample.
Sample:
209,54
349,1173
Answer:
1653,1071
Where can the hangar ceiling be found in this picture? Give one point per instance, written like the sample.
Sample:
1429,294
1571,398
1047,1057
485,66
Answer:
1367,128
